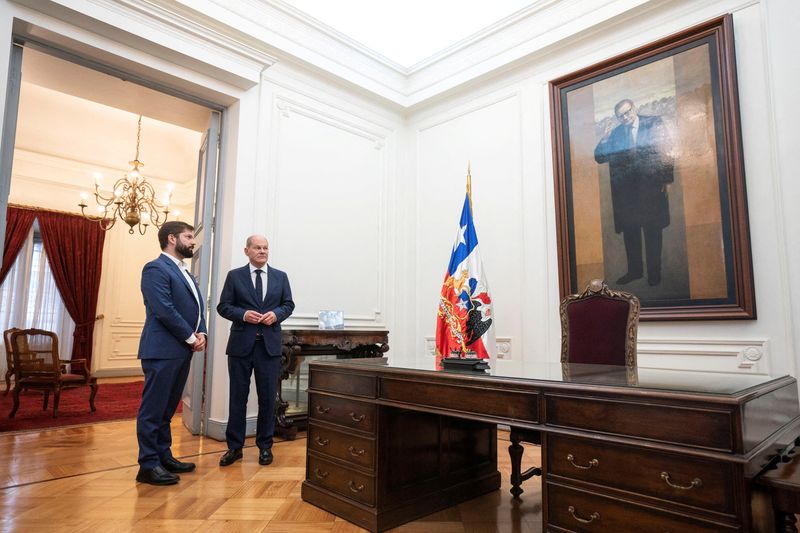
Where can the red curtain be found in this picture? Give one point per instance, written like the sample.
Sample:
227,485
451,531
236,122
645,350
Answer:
18,225
74,247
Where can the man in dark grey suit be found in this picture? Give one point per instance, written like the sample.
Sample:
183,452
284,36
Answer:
256,298
641,164
174,327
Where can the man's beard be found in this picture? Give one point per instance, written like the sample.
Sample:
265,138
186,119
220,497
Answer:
184,250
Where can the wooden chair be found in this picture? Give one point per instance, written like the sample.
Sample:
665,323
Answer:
38,367
598,326
9,358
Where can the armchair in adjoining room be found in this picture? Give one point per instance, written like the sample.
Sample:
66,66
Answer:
9,358
37,367
598,326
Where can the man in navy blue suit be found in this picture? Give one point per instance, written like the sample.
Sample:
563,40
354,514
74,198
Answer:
256,298
174,328
639,156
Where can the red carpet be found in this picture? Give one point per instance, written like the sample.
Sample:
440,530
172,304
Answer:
114,401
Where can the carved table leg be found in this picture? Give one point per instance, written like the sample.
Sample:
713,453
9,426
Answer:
285,426
515,451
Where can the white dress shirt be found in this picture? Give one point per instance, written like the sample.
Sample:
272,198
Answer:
190,280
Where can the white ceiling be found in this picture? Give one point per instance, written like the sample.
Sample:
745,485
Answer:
69,78
410,31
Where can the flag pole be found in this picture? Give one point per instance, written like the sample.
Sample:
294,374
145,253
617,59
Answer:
469,187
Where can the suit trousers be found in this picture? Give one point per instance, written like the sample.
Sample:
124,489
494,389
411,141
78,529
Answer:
652,244
267,372
164,380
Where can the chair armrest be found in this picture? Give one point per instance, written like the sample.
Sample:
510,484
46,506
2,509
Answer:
79,362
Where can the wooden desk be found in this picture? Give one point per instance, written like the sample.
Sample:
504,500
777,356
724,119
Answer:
653,451
297,344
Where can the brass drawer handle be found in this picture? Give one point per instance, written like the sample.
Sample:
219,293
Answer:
696,482
321,442
593,463
355,452
355,488
592,517
356,418
323,410
320,473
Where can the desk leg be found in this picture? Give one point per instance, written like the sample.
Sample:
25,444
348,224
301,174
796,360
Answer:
515,451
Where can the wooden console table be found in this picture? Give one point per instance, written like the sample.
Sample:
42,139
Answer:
301,343
656,451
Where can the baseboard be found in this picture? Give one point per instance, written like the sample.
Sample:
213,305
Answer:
216,428
118,372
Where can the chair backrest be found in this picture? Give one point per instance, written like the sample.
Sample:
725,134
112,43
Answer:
7,343
35,354
599,326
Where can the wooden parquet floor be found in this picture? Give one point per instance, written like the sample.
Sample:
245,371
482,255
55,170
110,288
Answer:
81,479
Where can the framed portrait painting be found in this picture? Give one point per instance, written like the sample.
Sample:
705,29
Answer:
649,177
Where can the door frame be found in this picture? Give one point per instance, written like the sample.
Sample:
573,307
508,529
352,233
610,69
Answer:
8,143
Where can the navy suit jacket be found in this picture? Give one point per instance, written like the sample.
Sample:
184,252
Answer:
171,311
239,295
639,174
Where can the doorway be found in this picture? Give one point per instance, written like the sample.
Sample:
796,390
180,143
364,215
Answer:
76,126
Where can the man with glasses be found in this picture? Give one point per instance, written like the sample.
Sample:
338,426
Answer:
641,165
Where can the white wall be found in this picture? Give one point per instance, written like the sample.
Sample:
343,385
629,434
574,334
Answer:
503,125
322,194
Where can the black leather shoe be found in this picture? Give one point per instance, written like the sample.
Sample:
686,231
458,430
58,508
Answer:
230,457
157,476
265,457
177,467
627,278
654,280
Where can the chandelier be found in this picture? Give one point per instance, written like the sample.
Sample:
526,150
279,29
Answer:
133,199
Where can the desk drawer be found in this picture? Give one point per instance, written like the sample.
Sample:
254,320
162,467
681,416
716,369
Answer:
705,483
344,383
343,412
356,450
348,483
577,510
660,422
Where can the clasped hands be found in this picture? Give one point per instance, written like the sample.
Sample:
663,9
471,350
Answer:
254,317
199,343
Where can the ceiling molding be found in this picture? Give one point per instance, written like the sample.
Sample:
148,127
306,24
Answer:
246,35
167,32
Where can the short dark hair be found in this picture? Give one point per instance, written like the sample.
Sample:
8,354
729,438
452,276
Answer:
172,227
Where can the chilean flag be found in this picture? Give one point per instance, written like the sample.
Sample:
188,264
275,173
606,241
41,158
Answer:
465,322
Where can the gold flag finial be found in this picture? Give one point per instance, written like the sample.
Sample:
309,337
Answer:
469,186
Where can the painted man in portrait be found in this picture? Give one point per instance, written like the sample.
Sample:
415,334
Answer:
640,161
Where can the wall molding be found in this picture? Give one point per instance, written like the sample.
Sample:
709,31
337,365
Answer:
751,355
361,128
121,372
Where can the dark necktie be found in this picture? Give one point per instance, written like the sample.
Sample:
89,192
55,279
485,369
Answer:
259,285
